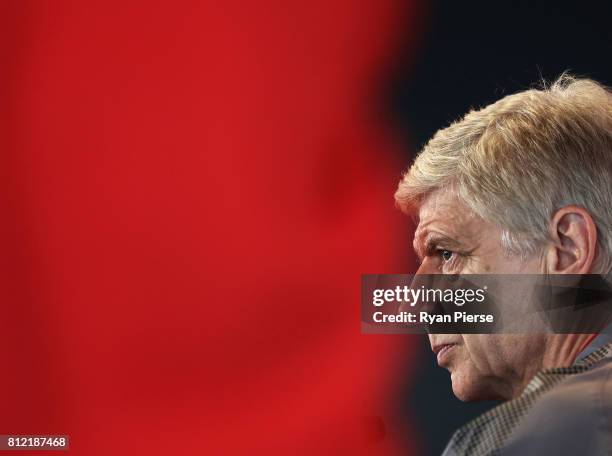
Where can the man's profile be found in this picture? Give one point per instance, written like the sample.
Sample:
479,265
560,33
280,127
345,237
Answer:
523,186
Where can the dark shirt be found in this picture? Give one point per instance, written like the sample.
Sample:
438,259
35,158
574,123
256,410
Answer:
562,411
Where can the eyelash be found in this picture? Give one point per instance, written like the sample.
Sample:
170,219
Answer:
441,252
449,264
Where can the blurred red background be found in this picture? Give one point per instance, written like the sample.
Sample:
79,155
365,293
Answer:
190,192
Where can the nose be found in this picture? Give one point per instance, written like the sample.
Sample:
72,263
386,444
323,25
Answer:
427,277
427,266
431,338
422,280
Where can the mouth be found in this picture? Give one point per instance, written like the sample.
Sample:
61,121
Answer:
443,351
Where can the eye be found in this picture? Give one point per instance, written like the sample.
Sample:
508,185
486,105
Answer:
446,255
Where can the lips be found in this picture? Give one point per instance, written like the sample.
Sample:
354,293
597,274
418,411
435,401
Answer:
442,351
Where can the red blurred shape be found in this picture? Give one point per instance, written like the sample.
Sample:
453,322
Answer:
191,192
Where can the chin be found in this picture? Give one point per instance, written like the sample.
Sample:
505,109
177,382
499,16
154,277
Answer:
465,393
469,388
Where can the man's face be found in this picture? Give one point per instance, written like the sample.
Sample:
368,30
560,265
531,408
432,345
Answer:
451,239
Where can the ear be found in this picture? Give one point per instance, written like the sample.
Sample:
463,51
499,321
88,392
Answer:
574,239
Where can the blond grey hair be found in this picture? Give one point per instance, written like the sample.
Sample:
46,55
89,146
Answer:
517,161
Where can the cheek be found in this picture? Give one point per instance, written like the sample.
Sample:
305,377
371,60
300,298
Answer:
481,352
493,259
466,377
505,264
490,262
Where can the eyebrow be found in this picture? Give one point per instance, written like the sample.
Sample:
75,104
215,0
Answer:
433,240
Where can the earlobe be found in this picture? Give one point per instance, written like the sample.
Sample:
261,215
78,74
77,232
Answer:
574,238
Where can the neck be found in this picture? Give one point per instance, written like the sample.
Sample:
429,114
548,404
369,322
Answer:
563,349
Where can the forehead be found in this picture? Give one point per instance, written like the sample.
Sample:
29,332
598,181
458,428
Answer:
443,210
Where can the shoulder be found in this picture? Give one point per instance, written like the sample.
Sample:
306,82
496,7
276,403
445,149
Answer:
574,417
